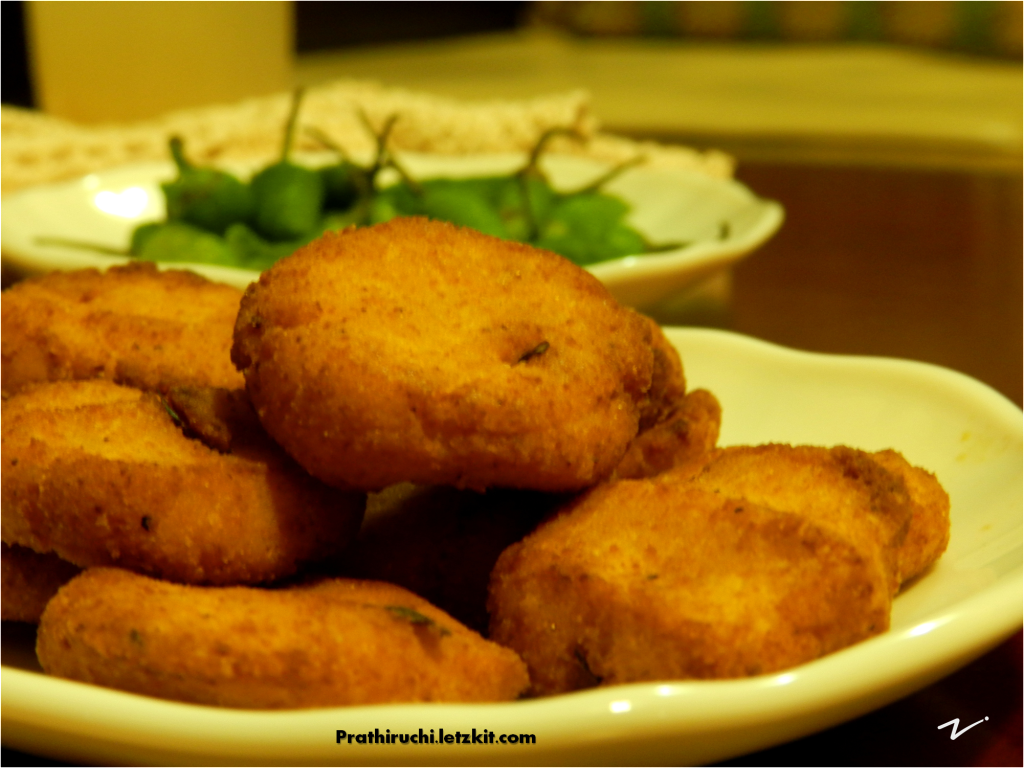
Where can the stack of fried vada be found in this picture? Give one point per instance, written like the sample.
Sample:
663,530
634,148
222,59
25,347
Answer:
536,467
102,474
128,440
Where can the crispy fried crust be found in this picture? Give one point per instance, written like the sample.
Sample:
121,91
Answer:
687,432
102,475
842,489
415,351
668,383
442,543
929,526
132,324
29,580
331,643
643,580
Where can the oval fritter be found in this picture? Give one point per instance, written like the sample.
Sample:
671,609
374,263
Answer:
929,524
686,435
841,488
132,324
329,643
416,351
643,580
103,475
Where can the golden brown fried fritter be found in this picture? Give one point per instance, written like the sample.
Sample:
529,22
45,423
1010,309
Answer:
668,383
442,543
133,324
416,351
842,489
642,580
330,643
29,580
102,475
929,525
687,432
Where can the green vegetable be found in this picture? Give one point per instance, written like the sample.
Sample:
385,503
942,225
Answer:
288,198
588,228
254,252
176,241
343,185
142,234
205,197
461,204
524,203
396,200
585,226
287,205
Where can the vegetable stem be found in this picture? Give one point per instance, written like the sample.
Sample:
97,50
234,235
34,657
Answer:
178,153
293,117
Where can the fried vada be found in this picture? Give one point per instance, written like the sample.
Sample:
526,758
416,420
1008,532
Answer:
132,324
417,351
929,524
687,432
28,581
643,580
841,488
103,474
329,643
668,381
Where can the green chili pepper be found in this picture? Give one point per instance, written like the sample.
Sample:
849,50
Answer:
524,204
346,182
461,204
253,251
288,198
177,241
205,197
142,234
590,227
342,184
396,200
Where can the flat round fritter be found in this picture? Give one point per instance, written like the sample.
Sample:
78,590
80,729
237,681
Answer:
416,351
133,324
657,579
929,523
102,474
840,488
686,434
330,643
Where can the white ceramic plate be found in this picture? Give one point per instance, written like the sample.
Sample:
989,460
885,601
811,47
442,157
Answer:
969,435
667,206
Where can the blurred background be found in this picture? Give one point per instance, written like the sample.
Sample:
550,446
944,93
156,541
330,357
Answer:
890,131
931,83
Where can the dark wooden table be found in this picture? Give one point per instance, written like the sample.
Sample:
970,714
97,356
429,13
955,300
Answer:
924,265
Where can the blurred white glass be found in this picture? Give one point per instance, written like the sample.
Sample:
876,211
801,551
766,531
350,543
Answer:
118,61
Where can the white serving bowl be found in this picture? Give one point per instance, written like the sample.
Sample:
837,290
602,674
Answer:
720,219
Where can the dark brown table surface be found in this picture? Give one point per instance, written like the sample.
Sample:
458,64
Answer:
924,265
